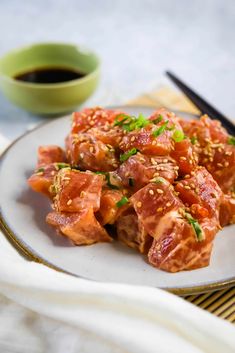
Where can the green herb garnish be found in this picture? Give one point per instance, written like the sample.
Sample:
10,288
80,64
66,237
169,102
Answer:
159,180
231,140
196,226
161,129
125,118
62,165
130,123
39,170
128,154
122,202
131,182
108,181
158,120
193,140
178,136
171,128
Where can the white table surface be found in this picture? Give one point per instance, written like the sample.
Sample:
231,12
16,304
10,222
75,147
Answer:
136,40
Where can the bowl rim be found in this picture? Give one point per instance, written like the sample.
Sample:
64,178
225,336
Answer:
80,48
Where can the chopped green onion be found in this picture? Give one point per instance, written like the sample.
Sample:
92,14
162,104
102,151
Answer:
128,154
131,182
231,140
178,136
107,178
193,140
156,121
62,165
125,117
160,130
196,226
171,128
130,123
159,180
39,170
122,202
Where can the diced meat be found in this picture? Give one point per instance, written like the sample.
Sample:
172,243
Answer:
109,212
215,154
149,139
219,160
42,179
109,136
165,115
227,210
175,248
140,169
81,227
132,233
76,191
200,189
185,155
92,117
50,154
144,141
86,152
152,202
205,129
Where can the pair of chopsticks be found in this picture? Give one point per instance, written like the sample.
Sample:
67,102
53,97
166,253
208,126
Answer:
201,104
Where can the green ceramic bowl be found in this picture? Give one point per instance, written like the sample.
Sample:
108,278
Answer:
53,98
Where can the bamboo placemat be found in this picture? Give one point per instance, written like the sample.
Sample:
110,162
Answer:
221,302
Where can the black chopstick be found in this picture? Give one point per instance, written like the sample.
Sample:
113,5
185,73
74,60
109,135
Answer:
201,104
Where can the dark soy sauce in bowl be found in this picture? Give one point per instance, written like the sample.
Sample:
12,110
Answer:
49,75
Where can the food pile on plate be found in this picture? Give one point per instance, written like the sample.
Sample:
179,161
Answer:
159,184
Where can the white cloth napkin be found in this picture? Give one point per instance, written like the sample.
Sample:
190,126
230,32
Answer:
42,310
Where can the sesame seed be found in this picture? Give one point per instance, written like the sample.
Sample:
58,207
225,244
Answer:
156,174
132,138
69,202
183,158
197,190
211,159
226,164
187,176
165,160
139,204
160,191
154,142
168,204
151,192
187,187
228,153
82,193
159,209
81,155
91,149
219,164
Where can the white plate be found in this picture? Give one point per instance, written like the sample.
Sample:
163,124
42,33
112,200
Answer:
23,215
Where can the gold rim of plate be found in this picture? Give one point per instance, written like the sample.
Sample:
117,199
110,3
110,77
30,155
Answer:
29,253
